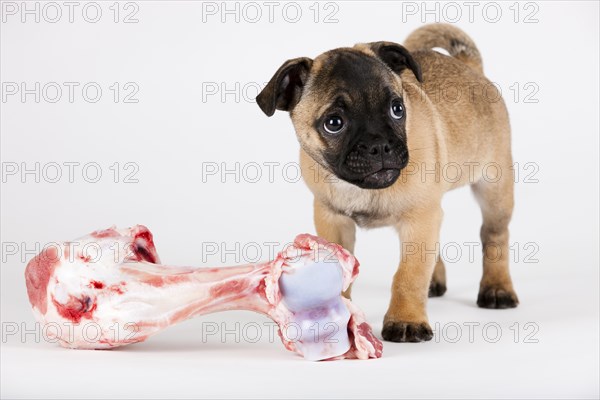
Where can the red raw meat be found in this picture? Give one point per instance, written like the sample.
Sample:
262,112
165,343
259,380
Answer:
112,279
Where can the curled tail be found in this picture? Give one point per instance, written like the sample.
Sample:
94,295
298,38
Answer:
448,37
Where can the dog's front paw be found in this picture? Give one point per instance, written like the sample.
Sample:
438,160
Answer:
497,297
406,332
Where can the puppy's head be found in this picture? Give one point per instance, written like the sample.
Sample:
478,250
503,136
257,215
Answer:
348,109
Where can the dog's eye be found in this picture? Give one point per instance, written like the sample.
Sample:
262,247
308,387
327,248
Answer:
333,124
397,109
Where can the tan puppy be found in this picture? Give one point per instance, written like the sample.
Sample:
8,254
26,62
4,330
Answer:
385,131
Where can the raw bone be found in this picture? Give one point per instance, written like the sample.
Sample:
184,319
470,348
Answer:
112,279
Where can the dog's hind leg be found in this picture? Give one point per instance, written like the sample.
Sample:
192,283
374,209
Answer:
495,197
437,287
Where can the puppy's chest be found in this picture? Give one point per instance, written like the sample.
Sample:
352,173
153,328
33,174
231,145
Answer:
366,209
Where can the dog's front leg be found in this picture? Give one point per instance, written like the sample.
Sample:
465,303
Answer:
406,319
335,228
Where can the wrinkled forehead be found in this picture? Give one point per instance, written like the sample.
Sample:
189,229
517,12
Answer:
353,72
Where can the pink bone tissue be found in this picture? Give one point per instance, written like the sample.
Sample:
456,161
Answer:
118,285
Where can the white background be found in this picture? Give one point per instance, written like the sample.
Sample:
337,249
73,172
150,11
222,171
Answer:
171,54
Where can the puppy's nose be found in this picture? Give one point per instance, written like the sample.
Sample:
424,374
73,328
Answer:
376,148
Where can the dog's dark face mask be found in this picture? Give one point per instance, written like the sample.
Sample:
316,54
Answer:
364,125
358,111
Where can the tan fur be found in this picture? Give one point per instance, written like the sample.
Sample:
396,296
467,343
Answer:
471,129
456,42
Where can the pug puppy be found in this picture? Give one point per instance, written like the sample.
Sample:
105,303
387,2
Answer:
385,130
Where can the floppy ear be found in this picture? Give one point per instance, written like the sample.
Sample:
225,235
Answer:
285,87
396,57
